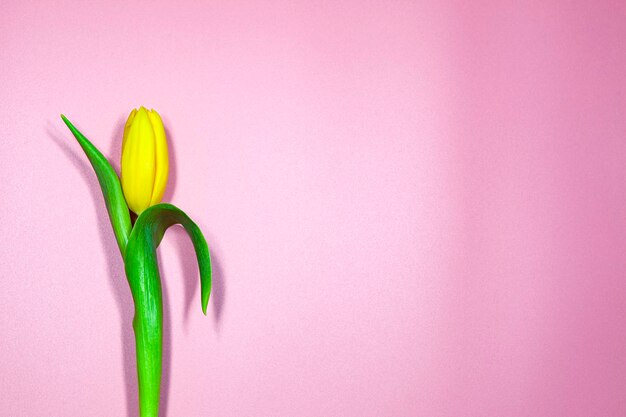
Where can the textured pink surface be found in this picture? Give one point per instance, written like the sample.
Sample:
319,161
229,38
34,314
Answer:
415,208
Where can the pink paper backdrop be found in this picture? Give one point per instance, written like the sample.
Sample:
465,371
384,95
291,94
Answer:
415,208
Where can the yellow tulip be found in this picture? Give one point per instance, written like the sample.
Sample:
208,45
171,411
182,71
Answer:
145,163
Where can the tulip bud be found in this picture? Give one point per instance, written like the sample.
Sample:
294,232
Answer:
145,163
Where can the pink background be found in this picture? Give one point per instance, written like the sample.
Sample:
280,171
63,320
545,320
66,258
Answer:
415,208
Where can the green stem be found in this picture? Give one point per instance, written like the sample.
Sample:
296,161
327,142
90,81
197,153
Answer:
143,275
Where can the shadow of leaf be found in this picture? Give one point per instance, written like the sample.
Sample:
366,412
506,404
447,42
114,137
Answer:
115,264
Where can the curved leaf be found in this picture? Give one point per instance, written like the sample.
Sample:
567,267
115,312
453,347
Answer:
110,185
142,271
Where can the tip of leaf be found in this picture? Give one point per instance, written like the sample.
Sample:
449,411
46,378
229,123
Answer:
66,120
204,305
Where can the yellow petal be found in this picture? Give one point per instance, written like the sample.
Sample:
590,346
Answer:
129,122
162,158
138,162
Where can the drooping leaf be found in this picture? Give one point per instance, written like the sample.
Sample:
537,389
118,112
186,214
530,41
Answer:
142,271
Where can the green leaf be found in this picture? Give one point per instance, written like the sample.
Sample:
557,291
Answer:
110,185
142,271
149,230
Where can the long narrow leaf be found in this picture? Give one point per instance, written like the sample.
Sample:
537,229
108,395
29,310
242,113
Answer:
110,185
